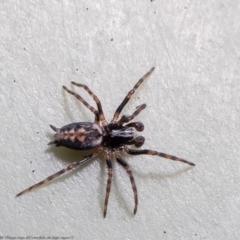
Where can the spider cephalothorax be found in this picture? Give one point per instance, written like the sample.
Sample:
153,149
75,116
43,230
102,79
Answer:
109,138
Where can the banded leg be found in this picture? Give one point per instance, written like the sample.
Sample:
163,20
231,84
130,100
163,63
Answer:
126,119
152,152
95,98
138,141
68,168
137,125
109,182
130,174
92,109
129,95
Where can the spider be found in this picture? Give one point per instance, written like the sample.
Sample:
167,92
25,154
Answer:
109,138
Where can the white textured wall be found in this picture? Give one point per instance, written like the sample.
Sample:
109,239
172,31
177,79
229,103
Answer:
193,112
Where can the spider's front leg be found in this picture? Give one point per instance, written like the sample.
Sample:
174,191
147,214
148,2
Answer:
137,125
129,95
138,141
126,119
152,152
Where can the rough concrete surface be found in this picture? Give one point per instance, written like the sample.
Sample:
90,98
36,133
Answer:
192,112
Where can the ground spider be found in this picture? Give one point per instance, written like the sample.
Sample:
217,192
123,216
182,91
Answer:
103,137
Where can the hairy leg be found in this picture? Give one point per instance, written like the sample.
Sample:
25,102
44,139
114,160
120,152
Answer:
152,152
129,95
57,174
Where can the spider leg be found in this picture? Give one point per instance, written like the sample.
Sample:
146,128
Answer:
137,125
138,141
95,98
92,109
129,95
152,152
109,182
126,119
68,168
130,174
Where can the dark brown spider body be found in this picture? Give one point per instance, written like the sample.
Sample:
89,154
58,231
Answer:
116,136
87,135
78,136
111,139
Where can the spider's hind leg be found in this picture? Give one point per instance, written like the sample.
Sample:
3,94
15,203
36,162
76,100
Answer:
68,168
95,98
92,109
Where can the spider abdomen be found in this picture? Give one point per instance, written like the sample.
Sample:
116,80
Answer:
79,136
